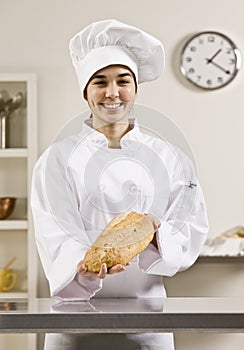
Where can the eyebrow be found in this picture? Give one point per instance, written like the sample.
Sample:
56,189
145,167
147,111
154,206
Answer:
100,76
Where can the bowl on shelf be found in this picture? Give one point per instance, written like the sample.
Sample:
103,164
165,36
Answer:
7,205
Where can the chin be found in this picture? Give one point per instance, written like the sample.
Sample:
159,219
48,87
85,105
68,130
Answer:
113,118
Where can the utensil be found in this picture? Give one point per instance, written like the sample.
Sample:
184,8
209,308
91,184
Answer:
4,97
7,205
7,106
14,102
9,263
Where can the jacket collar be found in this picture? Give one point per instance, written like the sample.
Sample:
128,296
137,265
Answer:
94,136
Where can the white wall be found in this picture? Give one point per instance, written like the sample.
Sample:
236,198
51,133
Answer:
34,37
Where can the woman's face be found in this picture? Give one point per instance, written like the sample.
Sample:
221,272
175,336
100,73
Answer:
111,93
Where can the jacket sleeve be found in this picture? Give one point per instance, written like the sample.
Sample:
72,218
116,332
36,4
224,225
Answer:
60,234
184,224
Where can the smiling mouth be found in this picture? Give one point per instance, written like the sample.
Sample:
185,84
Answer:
112,106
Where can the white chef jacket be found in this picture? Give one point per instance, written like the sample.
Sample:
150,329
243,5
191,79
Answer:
80,184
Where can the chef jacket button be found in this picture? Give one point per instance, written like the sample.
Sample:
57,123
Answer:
101,187
133,188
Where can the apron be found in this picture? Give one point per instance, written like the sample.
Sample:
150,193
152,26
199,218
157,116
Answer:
143,341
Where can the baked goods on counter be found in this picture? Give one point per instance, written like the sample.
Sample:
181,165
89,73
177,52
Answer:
228,243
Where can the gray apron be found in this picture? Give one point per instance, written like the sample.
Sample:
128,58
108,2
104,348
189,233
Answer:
144,341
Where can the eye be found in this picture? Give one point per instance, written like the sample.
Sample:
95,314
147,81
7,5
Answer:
99,82
124,82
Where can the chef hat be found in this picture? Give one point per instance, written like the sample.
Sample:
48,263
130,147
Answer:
110,42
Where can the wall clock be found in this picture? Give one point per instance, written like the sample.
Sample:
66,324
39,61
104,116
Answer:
210,60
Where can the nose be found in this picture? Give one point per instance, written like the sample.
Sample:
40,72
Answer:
112,91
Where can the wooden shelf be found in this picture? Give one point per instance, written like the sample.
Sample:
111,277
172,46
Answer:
13,224
14,153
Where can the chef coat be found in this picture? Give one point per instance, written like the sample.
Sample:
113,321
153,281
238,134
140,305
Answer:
80,184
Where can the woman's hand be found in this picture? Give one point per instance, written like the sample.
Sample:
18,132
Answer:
156,225
104,271
155,221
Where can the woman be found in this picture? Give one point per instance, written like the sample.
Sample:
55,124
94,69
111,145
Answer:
82,182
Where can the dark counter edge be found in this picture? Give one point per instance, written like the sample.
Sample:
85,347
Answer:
121,323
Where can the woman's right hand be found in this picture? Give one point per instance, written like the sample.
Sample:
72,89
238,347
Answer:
104,271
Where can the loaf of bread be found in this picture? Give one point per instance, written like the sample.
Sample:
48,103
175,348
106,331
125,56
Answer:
122,239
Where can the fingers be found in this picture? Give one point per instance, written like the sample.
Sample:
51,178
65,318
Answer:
81,268
116,269
103,271
112,270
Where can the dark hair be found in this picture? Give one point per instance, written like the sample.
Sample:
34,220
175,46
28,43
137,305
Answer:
133,75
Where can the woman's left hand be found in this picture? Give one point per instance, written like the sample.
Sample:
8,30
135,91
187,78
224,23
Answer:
155,221
156,224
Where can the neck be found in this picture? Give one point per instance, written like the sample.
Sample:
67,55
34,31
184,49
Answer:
113,132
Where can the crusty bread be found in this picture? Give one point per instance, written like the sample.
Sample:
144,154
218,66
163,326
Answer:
122,239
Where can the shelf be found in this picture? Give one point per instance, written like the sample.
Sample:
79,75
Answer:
16,165
14,295
13,224
13,153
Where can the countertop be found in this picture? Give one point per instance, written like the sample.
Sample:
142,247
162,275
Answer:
221,259
122,315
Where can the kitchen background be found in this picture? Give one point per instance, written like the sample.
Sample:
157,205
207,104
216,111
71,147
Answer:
34,37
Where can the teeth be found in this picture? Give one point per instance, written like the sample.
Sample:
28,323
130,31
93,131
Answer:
111,106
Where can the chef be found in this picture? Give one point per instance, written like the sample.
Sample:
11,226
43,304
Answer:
109,167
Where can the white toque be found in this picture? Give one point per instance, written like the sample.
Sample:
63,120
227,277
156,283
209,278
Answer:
110,42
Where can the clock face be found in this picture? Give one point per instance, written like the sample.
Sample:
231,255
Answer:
210,60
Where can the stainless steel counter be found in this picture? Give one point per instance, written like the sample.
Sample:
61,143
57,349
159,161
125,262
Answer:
221,259
122,315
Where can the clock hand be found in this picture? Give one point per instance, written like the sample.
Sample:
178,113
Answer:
209,60
222,68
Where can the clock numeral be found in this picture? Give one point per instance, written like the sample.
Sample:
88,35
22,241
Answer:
188,59
199,77
191,70
201,41
232,61
193,48
228,51
209,82
211,39
220,80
